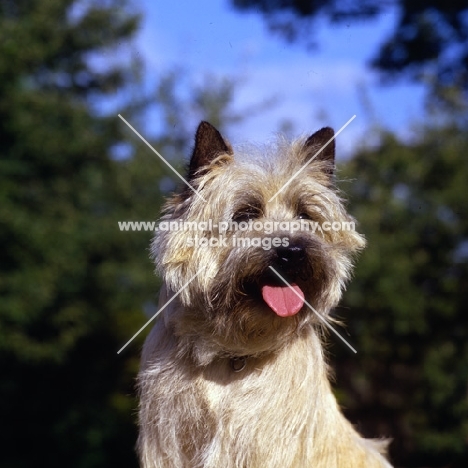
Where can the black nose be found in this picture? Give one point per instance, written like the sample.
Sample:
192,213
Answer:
290,256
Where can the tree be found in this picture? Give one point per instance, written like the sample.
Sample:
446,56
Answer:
429,43
68,289
405,308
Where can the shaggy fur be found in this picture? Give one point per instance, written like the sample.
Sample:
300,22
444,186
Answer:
226,382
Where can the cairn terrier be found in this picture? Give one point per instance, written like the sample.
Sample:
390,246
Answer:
233,373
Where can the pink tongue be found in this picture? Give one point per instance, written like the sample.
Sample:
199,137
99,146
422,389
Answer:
282,300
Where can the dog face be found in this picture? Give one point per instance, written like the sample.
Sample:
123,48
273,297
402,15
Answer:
262,217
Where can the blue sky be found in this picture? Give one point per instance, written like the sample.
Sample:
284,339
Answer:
312,89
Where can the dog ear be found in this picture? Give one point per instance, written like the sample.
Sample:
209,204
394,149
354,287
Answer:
315,146
208,144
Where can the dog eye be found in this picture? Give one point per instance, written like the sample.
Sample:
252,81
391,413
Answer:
246,214
304,216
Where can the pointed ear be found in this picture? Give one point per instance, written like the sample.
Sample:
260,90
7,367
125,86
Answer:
316,142
208,144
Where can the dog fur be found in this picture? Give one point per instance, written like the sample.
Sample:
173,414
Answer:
226,382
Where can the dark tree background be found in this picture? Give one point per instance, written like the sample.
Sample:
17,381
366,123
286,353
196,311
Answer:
405,308
69,289
73,288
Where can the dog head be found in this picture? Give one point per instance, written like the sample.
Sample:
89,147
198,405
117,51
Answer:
259,241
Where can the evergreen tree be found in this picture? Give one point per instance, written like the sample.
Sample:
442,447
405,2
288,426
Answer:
405,308
68,291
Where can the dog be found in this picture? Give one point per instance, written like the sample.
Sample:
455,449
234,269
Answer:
233,374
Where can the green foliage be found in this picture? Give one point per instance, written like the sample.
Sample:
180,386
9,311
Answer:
406,304
70,289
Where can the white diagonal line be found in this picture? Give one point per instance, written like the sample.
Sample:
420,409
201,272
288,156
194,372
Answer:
159,311
311,159
320,316
162,159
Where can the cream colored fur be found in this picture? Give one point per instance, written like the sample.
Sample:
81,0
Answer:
279,411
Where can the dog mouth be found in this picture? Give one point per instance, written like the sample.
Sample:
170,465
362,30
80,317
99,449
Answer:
284,300
281,292
280,281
